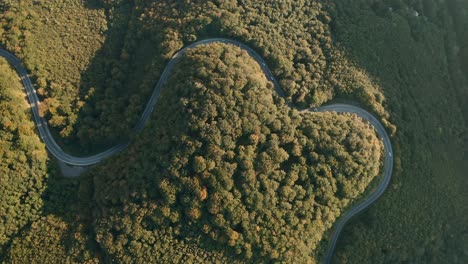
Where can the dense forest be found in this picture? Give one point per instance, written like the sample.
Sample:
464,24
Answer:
234,163
225,171
82,102
32,196
23,159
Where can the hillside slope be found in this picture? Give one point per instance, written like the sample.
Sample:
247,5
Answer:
227,162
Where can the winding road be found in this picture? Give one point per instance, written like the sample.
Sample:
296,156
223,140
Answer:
57,152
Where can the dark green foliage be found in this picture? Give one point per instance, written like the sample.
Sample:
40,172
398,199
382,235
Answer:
101,107
227,161
226,172
50,240
424,214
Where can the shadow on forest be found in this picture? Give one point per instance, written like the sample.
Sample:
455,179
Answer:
107,94
70,199
113,102
97,90
92,4
105,90
417,95
116,85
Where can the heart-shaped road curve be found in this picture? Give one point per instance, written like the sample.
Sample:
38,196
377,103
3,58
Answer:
58,153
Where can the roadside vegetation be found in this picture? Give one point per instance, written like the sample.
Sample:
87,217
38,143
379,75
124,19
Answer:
22,158
38,208
225,171
107,91
56,40
228,162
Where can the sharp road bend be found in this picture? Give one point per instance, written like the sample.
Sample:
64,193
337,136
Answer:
58,153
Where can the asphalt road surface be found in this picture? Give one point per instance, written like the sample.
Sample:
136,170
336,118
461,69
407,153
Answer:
57,152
